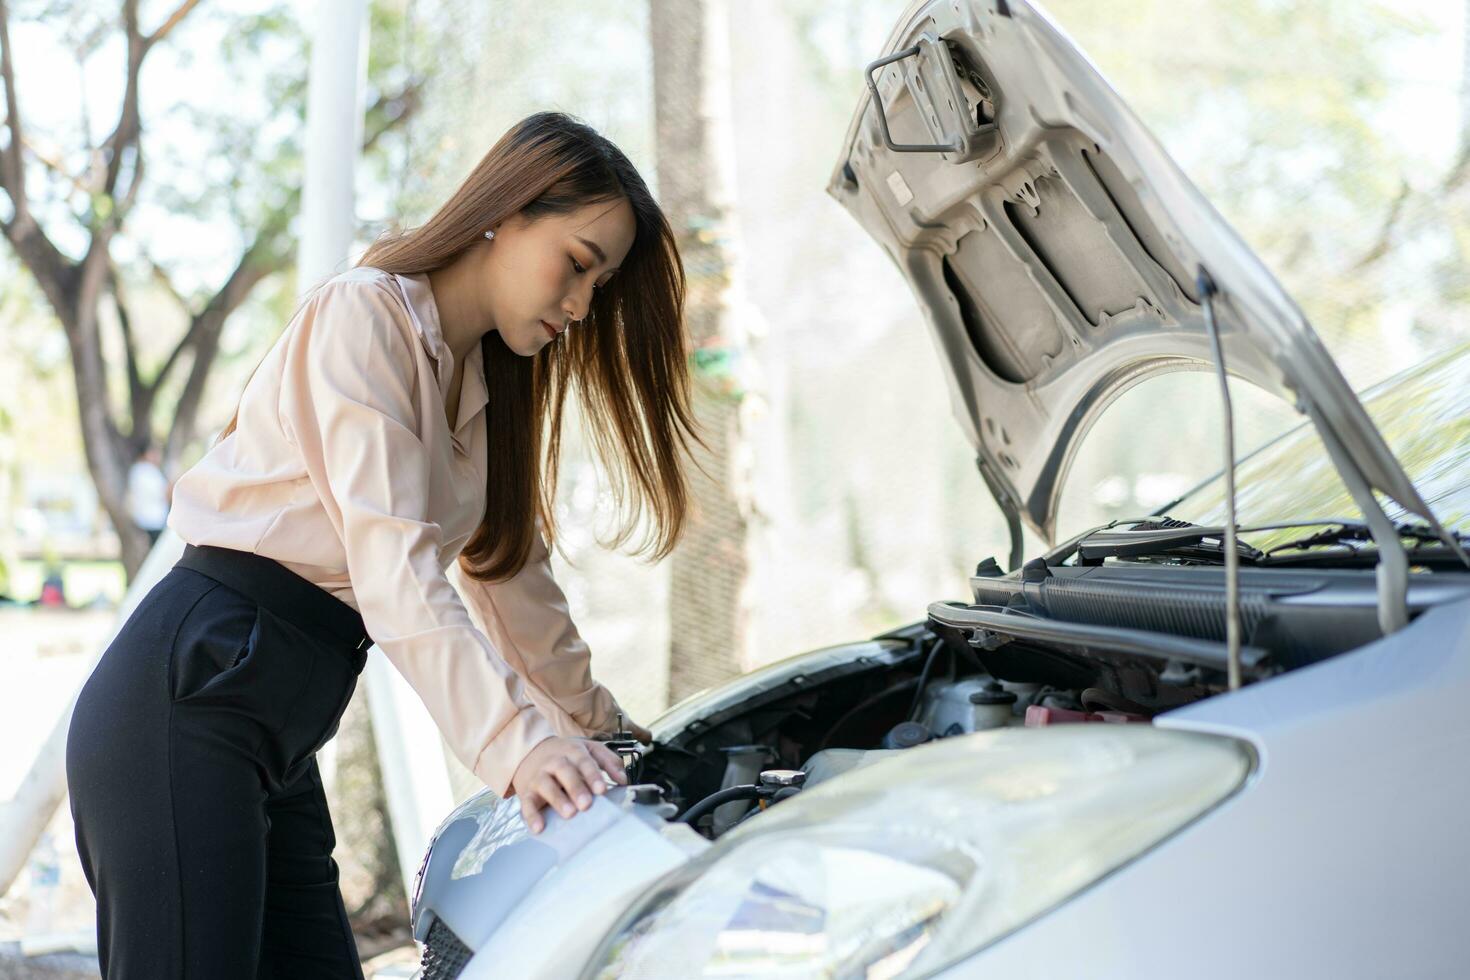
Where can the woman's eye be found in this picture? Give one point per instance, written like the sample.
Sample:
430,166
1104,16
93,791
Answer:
577,267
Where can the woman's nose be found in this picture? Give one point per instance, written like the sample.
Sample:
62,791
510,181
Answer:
576,305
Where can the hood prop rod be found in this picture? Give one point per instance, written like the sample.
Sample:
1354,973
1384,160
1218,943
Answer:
1392,570
1205,286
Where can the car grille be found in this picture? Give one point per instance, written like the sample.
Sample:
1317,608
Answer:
445,954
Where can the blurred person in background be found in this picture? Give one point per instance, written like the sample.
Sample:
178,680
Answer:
388,478
53,584
148,493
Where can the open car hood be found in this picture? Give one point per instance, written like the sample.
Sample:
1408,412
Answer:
1054,247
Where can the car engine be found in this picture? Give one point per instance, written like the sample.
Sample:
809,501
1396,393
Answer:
731,766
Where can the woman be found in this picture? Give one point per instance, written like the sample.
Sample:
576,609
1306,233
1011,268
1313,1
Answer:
387,479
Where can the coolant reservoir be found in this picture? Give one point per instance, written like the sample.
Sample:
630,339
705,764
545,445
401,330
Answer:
970,705
743,765
831,763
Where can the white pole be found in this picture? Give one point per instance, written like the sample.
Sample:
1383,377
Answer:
410,755
411,759
334,108
335,76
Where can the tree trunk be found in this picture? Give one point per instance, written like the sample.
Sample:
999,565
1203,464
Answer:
105,448
75,288
692,139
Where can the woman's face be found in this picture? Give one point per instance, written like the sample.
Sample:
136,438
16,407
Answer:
539,274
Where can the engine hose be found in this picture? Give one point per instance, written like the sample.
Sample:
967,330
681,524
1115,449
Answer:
784,793
918,701
744,792
862,706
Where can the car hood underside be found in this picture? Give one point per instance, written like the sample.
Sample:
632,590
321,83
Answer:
1057,250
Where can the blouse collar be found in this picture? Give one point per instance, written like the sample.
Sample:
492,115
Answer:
422,311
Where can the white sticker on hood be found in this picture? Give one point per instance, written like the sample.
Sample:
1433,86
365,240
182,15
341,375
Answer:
900,188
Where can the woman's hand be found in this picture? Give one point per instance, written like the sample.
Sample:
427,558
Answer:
640,733
563,773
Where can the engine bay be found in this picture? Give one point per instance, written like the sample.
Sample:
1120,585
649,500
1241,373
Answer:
930,683
1056,644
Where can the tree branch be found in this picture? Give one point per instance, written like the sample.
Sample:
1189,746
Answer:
54,272
140,396
12,164
399,107
93,273
197,326
86,116
161,276
54,165
170,24
125,134
1384,239
121,208
1459,171
203,323
270,252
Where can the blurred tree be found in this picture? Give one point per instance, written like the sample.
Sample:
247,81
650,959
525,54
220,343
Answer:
1431,216
78,215
8,493
1288,115
692,123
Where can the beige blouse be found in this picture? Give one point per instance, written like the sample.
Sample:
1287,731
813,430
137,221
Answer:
344,469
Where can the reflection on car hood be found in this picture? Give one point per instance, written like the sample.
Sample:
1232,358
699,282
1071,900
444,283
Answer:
1054,247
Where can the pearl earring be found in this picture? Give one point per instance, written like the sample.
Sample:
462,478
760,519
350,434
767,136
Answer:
490,233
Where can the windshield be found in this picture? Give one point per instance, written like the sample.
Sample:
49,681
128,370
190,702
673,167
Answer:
1424,414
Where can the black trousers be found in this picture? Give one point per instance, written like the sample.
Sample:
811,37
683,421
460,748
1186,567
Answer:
191,760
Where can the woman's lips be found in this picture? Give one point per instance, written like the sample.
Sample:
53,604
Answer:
552,331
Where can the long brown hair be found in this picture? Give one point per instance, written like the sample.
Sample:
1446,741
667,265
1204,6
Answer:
628,359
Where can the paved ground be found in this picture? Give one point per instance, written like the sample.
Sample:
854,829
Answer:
44,656
15,965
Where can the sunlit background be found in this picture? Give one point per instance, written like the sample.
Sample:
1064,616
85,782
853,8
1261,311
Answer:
1334,137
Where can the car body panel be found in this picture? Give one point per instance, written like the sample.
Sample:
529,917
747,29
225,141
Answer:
1342,857
1321,865
807,667
559,923
1055,255
497,886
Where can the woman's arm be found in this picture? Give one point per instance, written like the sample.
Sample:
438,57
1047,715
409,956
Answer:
528,620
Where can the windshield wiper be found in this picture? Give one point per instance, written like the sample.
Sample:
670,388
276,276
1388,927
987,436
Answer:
1165,537
1160,538
1353,531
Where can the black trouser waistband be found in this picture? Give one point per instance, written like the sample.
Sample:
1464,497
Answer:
270,584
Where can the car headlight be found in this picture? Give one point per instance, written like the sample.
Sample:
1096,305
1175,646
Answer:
902,867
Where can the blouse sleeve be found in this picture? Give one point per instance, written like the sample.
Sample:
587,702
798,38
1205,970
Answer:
527,618
348,402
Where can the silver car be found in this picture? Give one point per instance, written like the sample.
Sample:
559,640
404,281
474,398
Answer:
1160,749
